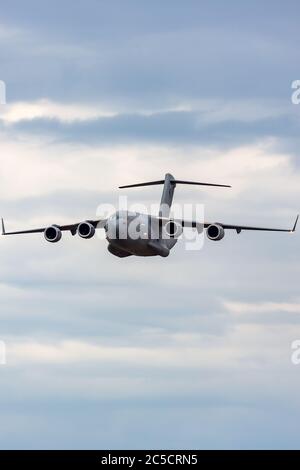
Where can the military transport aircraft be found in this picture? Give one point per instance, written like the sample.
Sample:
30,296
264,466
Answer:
156,234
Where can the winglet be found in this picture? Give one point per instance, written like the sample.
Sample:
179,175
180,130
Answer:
295,224
3,228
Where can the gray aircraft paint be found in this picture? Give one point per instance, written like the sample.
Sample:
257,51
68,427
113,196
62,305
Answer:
122,242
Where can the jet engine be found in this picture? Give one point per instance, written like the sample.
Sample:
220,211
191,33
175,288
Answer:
215,232
52,234
173,229
86,230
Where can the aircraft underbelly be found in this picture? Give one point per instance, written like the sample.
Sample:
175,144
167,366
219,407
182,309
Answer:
142,247
134,247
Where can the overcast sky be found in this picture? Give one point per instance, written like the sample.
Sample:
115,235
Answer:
191,351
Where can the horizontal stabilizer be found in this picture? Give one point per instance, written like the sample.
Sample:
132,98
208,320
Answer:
202,184
149,183
174,182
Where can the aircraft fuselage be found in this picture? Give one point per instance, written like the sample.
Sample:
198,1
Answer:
132,233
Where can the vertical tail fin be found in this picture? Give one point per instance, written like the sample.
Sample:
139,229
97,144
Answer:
167,195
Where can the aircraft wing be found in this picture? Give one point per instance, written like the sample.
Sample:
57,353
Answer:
71,227
238,228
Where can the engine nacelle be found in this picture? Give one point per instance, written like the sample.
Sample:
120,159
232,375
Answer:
86,230
173,229
52,234
215,232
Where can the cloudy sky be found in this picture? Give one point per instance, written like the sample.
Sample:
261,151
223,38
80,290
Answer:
192,351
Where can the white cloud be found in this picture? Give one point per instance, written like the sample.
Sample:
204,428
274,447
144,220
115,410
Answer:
241,308
44,108
192,365
79,351
210,110
34,166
